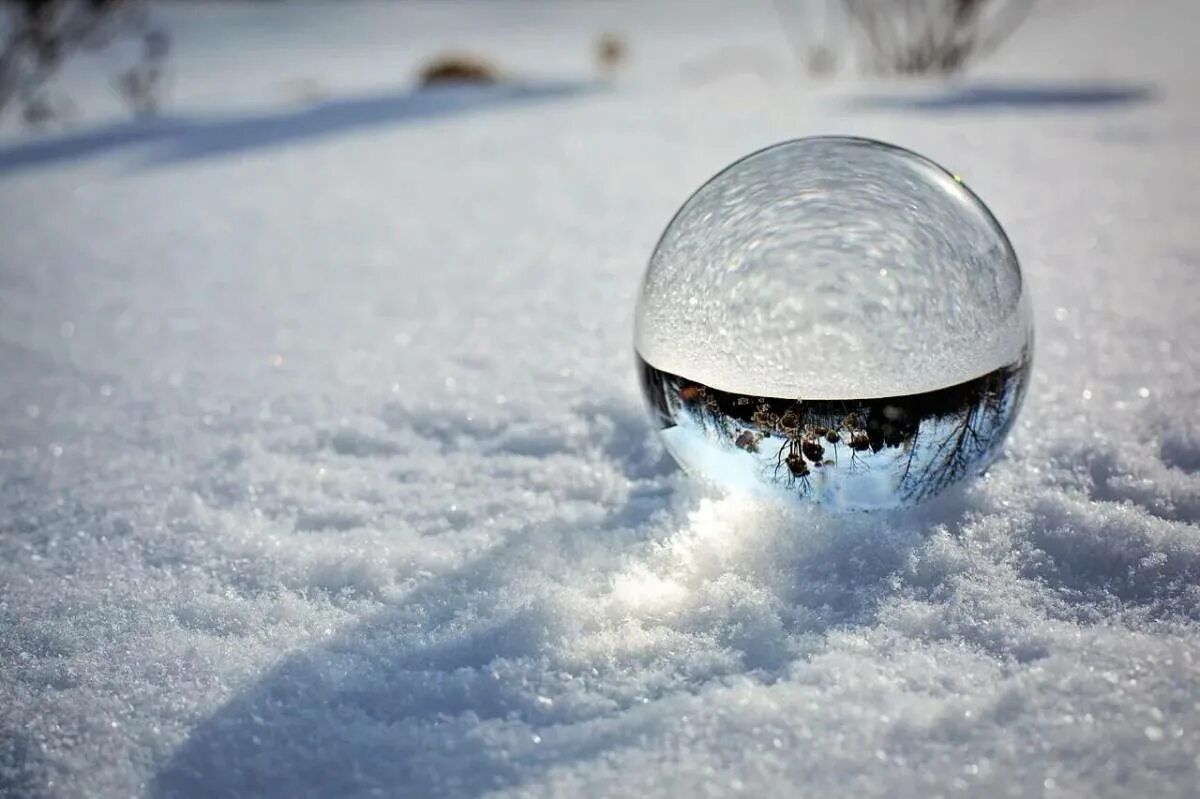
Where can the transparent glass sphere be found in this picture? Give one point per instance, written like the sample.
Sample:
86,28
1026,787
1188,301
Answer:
837,319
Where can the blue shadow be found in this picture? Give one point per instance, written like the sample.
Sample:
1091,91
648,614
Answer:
992,96
181,139
397,705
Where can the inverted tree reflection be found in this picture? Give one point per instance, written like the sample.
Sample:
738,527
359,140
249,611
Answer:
909,447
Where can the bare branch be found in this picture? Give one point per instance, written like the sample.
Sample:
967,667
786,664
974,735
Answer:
922,36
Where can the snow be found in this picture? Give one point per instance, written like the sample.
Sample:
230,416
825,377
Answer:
323,469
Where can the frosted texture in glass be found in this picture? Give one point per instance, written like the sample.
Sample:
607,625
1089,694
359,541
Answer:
828,268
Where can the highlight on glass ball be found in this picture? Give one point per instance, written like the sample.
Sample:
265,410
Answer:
838,320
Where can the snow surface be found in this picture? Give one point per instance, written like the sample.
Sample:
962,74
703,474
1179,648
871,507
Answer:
323,469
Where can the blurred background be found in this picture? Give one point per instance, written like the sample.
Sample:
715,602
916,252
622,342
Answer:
67,62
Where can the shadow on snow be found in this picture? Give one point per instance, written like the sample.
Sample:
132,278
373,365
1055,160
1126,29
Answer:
467,684
447,692
179,139
999,96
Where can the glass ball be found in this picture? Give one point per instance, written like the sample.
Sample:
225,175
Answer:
837,320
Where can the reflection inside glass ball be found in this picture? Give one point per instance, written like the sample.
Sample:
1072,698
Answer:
838,320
